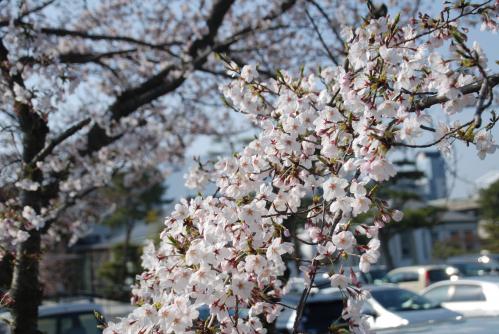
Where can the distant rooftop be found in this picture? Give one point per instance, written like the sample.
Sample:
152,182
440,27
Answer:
456,204
457,217
487,179
96,240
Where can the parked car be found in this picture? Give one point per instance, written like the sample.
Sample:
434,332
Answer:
471,296
483,257
322,281
376,274
321,310
63,318
468,325
416,278
470,269
391,306
388,307
475,265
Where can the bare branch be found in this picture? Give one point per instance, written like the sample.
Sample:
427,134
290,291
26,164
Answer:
321,39
59,139
86,35
77,58
333,27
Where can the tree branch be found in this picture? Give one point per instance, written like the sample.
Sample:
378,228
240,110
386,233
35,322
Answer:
77,58
474,87
59,139
38,8
98,37
172,76
447,135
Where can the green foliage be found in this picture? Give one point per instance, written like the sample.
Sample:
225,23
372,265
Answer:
394,189
115,280
426,216
138,202
141,201
339,329
489,206
491,242
400,196
397,191
444,250
489,202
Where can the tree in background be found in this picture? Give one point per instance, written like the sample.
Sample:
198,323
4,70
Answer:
141,201
489,208
116,275
444,250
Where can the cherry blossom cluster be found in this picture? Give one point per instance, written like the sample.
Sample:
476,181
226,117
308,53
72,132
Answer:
325,136
14,227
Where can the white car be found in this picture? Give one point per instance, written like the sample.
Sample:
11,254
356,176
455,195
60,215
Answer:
416,278
471,296
62,318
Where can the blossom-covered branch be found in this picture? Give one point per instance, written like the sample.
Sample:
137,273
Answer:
327,136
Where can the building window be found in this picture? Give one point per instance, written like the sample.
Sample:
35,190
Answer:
469,240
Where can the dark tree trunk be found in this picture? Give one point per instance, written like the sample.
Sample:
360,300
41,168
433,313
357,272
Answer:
25,289
6,269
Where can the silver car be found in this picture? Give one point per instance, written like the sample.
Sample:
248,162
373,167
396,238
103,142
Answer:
391,306
473,296
469,325
416,278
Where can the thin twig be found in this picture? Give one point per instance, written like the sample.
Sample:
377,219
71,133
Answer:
321,39
448,134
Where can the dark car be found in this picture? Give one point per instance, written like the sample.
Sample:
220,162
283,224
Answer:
469,269
374,276
321,311
63,318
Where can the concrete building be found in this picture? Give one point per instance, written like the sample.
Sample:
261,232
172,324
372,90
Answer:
435,182
459,226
